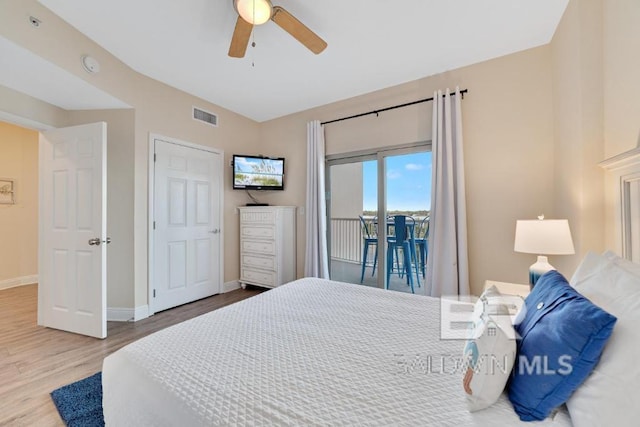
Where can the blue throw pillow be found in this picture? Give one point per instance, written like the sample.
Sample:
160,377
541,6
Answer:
560,341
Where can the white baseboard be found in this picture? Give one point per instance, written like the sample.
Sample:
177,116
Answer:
115,314
230,286
18,281
141,312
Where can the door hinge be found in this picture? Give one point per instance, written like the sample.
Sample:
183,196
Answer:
154,225
154,293
154,157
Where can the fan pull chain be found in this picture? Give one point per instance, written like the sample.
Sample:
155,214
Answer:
253,35
253,45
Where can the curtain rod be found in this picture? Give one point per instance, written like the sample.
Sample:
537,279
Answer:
462,92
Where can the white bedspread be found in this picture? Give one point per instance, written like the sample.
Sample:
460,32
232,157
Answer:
312,352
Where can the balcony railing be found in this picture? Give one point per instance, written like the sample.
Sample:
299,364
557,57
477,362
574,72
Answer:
346,240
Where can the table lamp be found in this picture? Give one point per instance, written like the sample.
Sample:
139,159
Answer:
543,237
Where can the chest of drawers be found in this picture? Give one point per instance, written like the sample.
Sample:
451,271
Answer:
267,245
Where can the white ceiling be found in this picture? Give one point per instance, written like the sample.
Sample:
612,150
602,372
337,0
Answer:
372,44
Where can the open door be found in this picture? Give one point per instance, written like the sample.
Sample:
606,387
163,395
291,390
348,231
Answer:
72,249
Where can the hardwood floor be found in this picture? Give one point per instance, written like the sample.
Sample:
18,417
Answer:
35,360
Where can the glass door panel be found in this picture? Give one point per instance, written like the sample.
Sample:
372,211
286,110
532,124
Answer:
408,197
352,211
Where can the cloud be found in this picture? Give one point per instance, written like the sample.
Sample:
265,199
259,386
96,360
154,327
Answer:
393,174
413,167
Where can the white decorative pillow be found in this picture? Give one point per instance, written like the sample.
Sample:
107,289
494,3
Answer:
609,395
489,353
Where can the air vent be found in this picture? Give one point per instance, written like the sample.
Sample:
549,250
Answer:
205,116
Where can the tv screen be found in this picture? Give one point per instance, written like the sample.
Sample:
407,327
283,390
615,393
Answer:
257,173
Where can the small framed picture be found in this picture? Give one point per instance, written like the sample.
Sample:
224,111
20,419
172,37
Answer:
7,191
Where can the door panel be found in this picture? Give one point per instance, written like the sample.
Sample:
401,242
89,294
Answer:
202,259
72,286
203,202
187,216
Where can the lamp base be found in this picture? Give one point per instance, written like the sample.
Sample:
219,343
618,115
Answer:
537,269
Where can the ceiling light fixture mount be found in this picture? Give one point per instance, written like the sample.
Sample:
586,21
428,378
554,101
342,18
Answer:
255,12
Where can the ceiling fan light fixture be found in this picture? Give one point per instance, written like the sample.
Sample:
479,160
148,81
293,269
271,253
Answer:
255,12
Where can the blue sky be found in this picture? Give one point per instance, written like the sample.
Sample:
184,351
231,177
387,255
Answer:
408,183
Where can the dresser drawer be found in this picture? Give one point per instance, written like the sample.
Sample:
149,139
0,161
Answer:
251,232
259,277
267,247
266,263
258,216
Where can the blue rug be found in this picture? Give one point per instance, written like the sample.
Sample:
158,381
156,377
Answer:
80,403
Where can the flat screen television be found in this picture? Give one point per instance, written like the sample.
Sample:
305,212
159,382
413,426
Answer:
258,173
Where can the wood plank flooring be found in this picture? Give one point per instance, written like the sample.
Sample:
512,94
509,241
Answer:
35,360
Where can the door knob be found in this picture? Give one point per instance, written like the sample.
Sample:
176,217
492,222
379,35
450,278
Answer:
95,241
107,241
214,231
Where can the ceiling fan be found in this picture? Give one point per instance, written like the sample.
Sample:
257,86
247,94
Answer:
257,12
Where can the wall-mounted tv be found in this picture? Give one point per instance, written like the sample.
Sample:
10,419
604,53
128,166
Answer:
257,173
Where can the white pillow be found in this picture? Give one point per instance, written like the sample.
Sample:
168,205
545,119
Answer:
590,265
609,395
489,353
631,267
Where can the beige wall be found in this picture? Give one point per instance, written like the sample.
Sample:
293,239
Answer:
508,125
621,41
31,112
19,222
621,75
597,114
578,128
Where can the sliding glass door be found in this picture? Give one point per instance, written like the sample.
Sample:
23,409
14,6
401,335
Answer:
365,191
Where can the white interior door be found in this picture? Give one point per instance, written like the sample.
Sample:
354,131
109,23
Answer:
187,215
72,250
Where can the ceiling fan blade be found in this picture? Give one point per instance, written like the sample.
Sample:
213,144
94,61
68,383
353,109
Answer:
298,30
240,38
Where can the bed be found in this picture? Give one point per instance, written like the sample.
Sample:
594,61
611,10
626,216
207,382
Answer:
312,352
321,353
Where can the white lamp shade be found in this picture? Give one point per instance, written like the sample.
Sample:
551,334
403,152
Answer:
544,237
255,12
